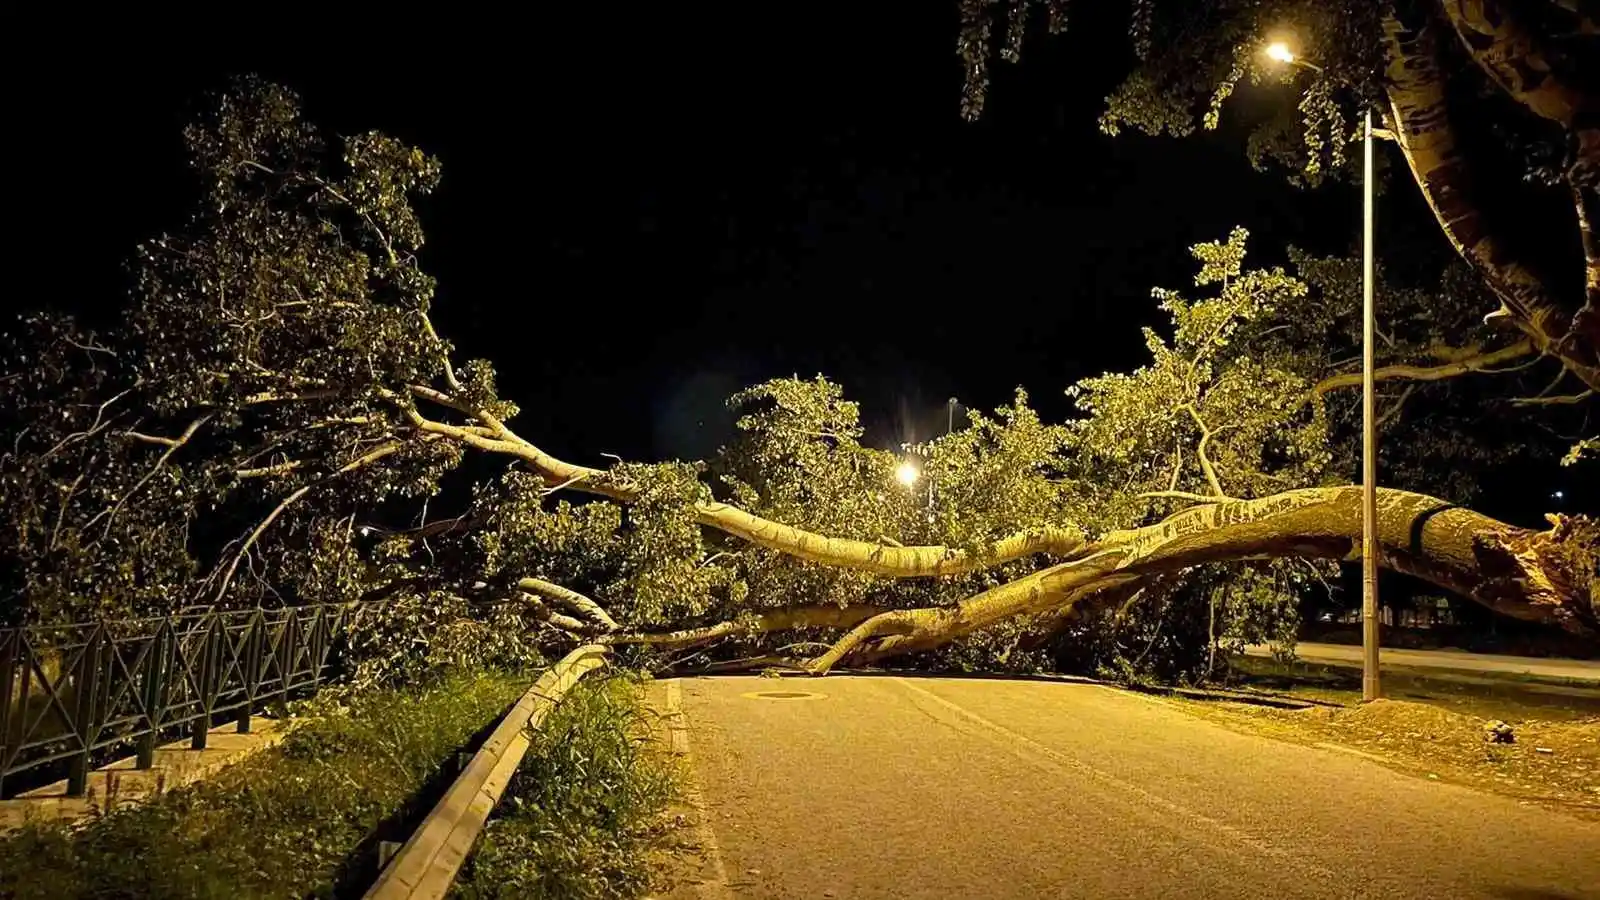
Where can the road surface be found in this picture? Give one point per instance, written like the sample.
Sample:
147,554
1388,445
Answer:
880,787
1452,660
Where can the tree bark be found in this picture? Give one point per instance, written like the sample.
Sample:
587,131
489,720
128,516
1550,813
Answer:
1508,54
1423,130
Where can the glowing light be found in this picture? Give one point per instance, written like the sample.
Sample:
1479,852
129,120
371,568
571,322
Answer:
1559,494
908,473
1280,51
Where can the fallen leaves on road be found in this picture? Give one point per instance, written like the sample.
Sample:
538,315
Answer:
1551,762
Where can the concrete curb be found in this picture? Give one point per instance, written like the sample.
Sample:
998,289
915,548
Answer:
426,865
120,784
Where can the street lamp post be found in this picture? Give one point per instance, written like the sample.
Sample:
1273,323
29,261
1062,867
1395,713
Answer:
1370,686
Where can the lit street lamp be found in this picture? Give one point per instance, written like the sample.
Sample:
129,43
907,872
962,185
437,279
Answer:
907,473
1280,52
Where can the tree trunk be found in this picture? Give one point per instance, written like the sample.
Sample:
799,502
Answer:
1546,576
1423,130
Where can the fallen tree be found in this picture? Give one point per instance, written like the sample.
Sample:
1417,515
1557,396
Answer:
279,388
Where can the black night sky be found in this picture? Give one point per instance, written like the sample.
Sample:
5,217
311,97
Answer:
641,214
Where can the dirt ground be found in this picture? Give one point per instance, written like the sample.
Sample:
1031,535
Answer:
1439,729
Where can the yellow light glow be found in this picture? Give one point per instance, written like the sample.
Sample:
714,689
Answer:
1280,51
907,474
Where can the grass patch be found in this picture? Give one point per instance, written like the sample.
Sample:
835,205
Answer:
585,809
286,823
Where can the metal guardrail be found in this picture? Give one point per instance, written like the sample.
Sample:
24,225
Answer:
75,692
427,864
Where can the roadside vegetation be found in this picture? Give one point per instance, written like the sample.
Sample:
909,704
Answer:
586,809
300,820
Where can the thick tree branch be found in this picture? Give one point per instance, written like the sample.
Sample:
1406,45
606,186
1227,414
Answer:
815,616
1537,576
1482,362
570,599
1508,54
868,556
545,614
1424,133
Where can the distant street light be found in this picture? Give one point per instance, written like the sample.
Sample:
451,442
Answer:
1280,52
950,420
908,473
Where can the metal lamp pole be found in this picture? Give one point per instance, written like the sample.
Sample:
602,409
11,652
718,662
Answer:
1370,686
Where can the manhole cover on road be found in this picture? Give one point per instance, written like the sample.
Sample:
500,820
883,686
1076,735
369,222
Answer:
784,695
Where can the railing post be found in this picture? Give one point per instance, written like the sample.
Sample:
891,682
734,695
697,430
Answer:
10,639
286,655
252,669
155,694
85,684
319,640
208,686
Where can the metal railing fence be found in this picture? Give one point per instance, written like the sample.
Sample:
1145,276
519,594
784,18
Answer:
73,693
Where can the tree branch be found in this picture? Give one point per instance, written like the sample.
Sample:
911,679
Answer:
444,354
366,459
1482,362
1205,461
1536,576
867,556
1557,400
1393,412
282,468
549,616
570,599
812,616
172,445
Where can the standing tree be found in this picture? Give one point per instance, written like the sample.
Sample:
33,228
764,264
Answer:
1490,102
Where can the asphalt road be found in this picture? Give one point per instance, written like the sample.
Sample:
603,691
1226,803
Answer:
1447,660
940,788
